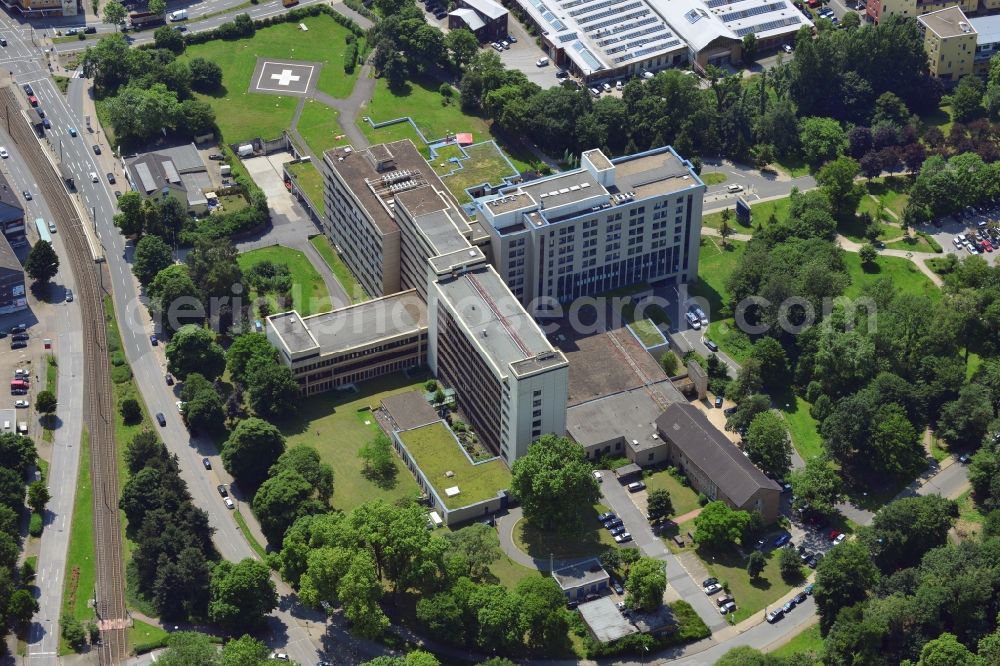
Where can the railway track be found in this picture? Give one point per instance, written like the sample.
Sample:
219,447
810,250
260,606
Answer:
99,401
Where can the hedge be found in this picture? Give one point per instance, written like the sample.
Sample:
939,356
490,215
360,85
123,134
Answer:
930,241
230,30
360,8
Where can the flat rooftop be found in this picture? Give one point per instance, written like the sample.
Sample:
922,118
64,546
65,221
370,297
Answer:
505,333
630,415
948,22
605,621
563,188
987,29
352,326
409,410
599,368
653,173
587,572
376,190
437,453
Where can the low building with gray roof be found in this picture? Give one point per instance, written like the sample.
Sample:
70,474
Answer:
177,171
582,579
604,621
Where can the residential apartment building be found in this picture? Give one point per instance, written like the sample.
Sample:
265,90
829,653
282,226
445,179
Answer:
351,344
11,214
987,42
606,225
12,294
510,381
878,10
714,465
950,42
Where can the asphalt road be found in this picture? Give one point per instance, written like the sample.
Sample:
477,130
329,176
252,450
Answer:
61,321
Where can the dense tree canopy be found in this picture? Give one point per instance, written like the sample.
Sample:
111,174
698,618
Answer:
553,483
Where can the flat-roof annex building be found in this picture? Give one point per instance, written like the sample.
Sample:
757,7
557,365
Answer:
602,39
606,225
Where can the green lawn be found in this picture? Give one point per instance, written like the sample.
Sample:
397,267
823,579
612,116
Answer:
970,518
340,270
647,332
80,573
715,265
591,539
320,127
684,498
509,573
309,179
793,167
437,452
335,424
141,634
911,244
422,101
751,596
940,118
802,426
242,115
713,177
309,293
485,165
892,191
808,640
904,274
241,522
730,339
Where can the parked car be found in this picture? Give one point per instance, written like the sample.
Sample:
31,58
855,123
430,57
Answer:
617,587
20,404
229,503
723,600
808,589
709,581
840,538
718,401
636,486
606,87
222,490
712,589
782,539
69,295
805,555
153,340
18,344
47,124
169,378
727,608
606,516
775,615
111,178
216,156
711,345
801,597
180,406
97,149
833,534
512,39
623,537
613,523
787,48
615,531
598,477
964,458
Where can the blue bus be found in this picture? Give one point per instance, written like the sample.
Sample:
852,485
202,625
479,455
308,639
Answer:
43,230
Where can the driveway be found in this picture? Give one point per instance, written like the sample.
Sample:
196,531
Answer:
757,186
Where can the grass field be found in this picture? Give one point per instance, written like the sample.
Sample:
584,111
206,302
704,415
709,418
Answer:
713,177
591,539
803,428
509,573
485,165
730,339
320,127
311,182
242,115
911,244
80,573
684,498
422,102
892,191
241,522
309,293
335,424
340,271
437,453
808,640
970,518
715,265
647,332
751,595
143,634
905,276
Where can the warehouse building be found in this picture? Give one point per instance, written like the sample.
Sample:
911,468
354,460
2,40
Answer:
486,19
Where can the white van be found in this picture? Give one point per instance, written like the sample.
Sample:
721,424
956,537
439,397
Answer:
541,62
179,15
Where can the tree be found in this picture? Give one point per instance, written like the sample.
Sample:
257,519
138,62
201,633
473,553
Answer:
360,591
543,612
151,256
967,99
747,409
187,648
902,531
818,486
478,544
115,13
142,448
166,37
462,45
244,651
157,6
174,299
895,443
272,390
554,483
280,501
246,349
204,412
868,255
131,411
647,581
206,76
38,496
305,460
242,595
755,564
768,445
836,179
749,47
252,448
719,526
659,504
963,421
789,565
42,263
138,112
843,578
214,267
945,650
377,458
747,656
45,402
822,139
669,362
194,349
72,631
21,609
773,362
725,230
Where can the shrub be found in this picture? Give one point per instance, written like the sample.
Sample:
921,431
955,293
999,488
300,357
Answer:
131,412
121,374
702,499
35,526
350,55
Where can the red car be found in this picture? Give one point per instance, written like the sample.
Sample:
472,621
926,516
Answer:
834,534
987,245
32,100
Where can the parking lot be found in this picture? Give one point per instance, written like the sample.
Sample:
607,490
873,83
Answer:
964,227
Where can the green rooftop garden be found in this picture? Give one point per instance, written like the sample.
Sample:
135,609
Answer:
436,451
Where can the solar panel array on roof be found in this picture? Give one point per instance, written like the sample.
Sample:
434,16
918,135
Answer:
770,25
753,11
145,177
170,171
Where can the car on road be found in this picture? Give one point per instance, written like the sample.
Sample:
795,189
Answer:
27,195
712,589
725,609
711,345
72,131
606,516
207,463
161,419
280,656
775,615
28,89
94,177
222,490
97,149
964,458
598,477
3,153
89,30
47,124
169,379
801,597
734,188
69,295
623,537
3,41
512,39
111,178
636,486
20,404
32,100
52,227
153,340
229,503
72,31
